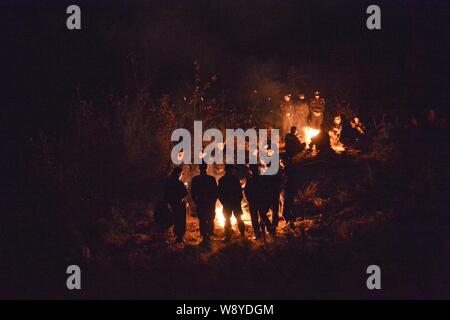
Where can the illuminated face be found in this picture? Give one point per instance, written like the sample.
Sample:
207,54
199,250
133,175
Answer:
287,98
317,96
302,97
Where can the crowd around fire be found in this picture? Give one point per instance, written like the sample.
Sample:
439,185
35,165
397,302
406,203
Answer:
241,190
229,195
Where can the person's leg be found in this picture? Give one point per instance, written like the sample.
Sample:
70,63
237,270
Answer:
227,211
265,222
202,222
210,220
198,213
255,219
320,121
275,211
287,208
303,121
313,123
237,211
180,223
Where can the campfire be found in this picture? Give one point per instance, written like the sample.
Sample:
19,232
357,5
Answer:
308,134
220,219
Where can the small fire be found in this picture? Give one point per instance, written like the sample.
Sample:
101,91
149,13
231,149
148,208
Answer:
308,134
220,219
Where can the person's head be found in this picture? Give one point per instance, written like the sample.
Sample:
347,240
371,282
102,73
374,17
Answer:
293,130
203,167
287,98
301,96
176,173
317,94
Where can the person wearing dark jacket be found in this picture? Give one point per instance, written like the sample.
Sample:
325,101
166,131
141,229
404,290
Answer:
174,195
272,188
259,194
230,195
204,194
252,194
293,146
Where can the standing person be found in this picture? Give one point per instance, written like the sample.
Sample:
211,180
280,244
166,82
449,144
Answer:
175,193
302,112
287,114
317,109
252,195
272,186
204,194
230,195
258,202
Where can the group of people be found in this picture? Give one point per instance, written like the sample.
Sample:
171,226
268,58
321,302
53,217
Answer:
261,191
301,113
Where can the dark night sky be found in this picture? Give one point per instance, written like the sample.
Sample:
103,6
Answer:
46,65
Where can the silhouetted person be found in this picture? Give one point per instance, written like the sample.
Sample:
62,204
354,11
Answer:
230,195
292,145
272,186
256,202
174,195
204,194
265,203
251,193
290,190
